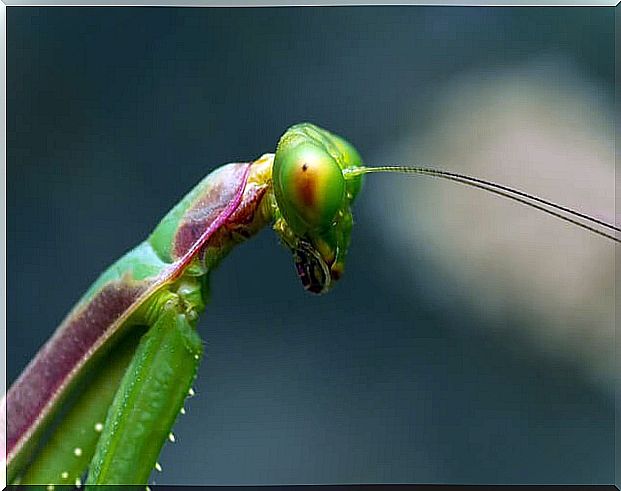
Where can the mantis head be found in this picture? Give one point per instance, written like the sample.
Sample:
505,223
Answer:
314,194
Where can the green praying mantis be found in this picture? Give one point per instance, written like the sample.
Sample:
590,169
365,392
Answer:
101,396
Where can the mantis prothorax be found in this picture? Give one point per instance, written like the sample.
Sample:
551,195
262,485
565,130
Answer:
101,396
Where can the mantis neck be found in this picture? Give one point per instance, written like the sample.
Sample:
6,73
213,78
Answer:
255,211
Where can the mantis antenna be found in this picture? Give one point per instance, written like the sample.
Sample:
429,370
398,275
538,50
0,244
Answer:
541,204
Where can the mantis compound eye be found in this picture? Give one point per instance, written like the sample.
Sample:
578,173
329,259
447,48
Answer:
309,187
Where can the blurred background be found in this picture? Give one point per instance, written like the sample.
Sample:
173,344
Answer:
471,338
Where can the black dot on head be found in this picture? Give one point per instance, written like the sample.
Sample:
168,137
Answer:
305,167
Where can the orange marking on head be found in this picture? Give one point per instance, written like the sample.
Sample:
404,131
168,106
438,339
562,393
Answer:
306,185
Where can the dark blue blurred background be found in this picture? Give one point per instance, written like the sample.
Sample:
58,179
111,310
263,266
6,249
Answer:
115,113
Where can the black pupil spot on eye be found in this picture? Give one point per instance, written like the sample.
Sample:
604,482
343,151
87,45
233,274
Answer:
305,167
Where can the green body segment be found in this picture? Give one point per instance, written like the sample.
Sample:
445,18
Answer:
148,400
162,286
141,264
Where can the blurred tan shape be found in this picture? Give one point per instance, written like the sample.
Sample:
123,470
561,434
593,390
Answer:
543,129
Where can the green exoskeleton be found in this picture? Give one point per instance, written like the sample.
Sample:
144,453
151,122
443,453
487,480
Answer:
100,398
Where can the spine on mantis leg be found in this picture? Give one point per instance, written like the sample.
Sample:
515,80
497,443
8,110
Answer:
149,398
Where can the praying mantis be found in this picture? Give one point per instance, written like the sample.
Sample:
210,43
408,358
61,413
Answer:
102,395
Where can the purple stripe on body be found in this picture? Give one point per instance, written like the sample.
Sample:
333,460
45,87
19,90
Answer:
66,350
211,209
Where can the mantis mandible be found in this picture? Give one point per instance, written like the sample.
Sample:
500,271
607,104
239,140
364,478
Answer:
101,396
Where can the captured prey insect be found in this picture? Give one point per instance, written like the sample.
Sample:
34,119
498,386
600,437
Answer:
101,396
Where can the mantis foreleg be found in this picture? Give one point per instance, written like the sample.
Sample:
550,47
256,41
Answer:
150,397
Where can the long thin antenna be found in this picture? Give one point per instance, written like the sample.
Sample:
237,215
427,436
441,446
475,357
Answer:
499,189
